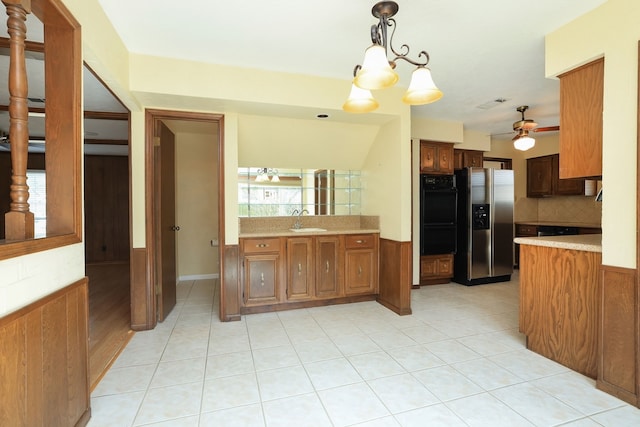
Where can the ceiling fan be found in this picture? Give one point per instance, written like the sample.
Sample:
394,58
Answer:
522,141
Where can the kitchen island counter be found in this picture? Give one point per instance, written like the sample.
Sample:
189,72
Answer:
559,298
580,242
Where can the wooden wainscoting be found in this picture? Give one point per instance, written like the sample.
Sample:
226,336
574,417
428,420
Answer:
142,311
618,335
45,361
230,284
395,276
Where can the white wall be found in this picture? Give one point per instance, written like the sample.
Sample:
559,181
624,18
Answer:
28,278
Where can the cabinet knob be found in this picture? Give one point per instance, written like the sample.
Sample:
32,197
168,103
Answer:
299,269
262,245
360,242
359,270
326,267
261,279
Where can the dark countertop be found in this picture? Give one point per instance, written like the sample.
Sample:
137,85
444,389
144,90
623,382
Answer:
561,224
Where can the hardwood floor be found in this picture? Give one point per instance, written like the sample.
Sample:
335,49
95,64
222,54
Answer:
109,315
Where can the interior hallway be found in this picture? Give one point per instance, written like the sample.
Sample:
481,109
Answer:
457,361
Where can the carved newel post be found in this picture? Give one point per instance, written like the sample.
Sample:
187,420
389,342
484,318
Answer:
19,222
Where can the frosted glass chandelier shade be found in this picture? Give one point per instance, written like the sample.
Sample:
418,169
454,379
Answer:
360,101
376,73
422,90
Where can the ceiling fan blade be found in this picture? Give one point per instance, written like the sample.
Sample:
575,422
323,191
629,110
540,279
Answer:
547,129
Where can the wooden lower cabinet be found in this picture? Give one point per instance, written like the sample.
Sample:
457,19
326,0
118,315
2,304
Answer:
436,269
361,264
300,268
307,269
262,269
329,267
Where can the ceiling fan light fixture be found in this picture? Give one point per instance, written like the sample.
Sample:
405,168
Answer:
360,101
524,143
422,90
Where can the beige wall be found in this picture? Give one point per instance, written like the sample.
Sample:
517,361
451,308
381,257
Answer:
197,205
611,31
282,142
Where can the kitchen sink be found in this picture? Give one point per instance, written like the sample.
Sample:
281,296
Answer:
307,229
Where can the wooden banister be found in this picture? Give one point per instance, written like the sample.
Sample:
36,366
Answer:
19,221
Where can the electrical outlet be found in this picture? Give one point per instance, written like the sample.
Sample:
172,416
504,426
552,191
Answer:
214,242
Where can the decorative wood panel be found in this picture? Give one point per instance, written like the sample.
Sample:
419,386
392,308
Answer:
45,361
106,208
142,292
559,305
618,334
230,284
395,276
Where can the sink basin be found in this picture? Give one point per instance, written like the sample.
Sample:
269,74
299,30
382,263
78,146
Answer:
307,229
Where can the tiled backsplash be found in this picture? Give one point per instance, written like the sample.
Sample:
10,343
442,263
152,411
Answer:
331,222
579,209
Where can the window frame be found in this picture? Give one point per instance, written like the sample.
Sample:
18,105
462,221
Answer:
63,130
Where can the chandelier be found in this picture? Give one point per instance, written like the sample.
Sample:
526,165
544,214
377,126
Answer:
262,175
377,71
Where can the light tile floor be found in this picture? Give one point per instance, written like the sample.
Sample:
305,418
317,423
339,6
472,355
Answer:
457,361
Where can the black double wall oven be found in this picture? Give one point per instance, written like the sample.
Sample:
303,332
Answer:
438,199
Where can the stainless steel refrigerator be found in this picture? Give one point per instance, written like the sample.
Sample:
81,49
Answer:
485,226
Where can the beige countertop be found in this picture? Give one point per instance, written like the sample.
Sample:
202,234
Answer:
289,233
580,242
561,224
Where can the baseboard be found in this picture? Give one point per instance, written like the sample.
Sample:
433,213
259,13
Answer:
198,277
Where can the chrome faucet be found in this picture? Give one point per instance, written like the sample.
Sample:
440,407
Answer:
298,224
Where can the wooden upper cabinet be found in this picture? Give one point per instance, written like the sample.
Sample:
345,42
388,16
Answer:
436,157
581,93
467,158
539,176
543,178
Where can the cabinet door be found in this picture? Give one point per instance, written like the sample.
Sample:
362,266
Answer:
473,159
329,269
581,106
445,266
299,268
428,267
566,187
427,157
360,272
435,269
539,176
261,279
445,158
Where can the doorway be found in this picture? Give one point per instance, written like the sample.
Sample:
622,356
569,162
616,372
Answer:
154,289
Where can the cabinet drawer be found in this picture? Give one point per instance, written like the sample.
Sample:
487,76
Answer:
355,241
523,230
261,245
